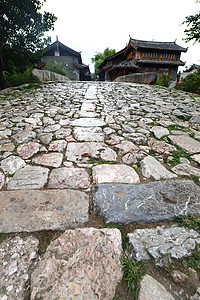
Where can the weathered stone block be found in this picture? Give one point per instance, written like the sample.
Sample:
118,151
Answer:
80,264
154,201
29,177
148,78
42,210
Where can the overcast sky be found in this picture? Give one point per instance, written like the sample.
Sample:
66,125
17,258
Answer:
90,26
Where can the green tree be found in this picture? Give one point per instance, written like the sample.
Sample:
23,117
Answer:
193,27
191,83
22,28
99,58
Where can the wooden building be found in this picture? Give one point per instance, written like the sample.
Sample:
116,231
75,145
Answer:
69,58
143,56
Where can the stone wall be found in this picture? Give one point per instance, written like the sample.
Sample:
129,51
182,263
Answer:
146,78
44,75
68,63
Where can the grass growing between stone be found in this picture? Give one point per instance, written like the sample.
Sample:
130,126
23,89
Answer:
191,221
133,273
176,155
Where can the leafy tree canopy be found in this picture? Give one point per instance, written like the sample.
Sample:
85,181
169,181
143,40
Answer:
193,27
22,28
99,57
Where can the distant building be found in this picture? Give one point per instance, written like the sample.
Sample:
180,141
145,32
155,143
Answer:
69,58
143,56
190,70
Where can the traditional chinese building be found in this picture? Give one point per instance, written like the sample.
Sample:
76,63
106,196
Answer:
143,56
69,58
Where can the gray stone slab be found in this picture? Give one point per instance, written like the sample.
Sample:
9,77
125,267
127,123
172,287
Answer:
89,134
34,210
88,122
29,177
154,201
186,142
162,245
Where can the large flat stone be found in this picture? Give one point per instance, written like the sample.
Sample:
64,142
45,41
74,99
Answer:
33,210
28,150
29,177
11,164
24,136
49,159
186,142
152,289
114,174
162,244
154,201
77,152
65,178
153,168
159,131
88,122
88,134
80,264
7,147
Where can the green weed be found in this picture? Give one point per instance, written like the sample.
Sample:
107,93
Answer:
182,118
138,163
194,178
193,261
177,154
56,67
192,134
191,221
133,273
17,79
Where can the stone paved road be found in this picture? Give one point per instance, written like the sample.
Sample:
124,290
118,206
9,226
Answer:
73,139
76,135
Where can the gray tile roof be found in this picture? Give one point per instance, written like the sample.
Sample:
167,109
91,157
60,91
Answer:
157,45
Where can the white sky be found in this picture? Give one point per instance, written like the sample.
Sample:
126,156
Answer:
90,26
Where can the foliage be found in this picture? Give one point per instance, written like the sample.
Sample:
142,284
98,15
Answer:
133,272
194,178
194,259
99,58
177,154
56,67
191,221
22,27
125,238
163,80
193,27
191,83
17,78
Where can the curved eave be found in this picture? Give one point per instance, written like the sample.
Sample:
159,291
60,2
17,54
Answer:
161,62
153,45
111,57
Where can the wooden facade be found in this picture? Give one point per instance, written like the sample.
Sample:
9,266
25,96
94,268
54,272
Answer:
162,58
